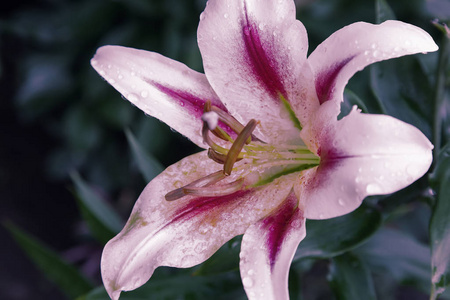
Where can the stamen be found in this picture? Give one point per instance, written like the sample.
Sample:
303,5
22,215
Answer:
214,191
227,119
175,195
210,142
221,158
237,146
216,157
202,182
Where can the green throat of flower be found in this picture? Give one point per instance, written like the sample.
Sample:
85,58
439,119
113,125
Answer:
261,162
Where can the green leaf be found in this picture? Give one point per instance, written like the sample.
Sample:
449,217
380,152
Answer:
440,226
403,91
328,238
394,253
383,11
180,286
102,220
147,164
350,278
66,276
224,260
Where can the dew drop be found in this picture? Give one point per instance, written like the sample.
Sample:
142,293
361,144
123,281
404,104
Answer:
102,73
261,26
112,81
341,202
373,188
247,282
225,16
120,76
375,53
144,94
202,16
251,272
132,97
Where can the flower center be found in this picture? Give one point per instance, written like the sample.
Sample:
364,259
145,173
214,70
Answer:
262,162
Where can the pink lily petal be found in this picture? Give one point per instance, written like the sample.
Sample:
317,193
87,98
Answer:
161,87
268,247
363,155
254,55
353,47
185,232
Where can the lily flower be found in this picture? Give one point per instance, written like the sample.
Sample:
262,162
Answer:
275,151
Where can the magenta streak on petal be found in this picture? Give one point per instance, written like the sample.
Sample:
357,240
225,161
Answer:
191,103
258,59
203,205
277,226
326,80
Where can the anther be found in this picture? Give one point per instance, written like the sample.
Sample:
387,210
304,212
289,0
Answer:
214,191
199,183
237,146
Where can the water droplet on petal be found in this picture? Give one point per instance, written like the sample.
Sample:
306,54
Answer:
144,94
202,16
251,272
132,97
373,189
341,202
247,282
225,16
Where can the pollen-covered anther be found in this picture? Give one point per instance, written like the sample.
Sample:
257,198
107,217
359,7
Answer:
236,148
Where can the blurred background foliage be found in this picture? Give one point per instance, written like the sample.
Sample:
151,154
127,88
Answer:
74,156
